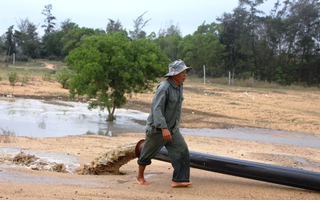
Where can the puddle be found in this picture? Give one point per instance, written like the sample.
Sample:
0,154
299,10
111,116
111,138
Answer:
40,118
54,118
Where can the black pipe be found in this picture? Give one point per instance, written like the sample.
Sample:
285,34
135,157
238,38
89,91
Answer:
247,169
252,170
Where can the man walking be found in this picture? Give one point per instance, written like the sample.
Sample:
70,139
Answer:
162,127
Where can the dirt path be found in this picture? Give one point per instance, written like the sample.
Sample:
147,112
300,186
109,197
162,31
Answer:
49,65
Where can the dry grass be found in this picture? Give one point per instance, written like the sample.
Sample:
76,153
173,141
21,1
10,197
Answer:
7,136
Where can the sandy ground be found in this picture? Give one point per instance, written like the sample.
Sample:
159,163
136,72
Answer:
205,106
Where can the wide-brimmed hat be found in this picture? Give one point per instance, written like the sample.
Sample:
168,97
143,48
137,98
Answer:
176,67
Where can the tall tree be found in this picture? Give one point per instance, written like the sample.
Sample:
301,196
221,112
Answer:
49,20
168,41
114,26
2,44
110,67
296,28
170,30
67,26
233,30
52,45
9,41
204,48
27,38
139,24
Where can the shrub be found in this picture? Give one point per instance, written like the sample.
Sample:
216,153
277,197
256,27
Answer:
25,79
63,77
47,76
52,58
22,58
13,78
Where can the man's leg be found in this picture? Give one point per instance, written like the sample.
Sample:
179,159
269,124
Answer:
140,178
152,145
179,156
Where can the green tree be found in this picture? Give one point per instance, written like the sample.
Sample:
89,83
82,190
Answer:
27,38
9,43
72,39
233,30
169,45
168,41
52,45
66,28
111,67
204,48
2,44
293,35
241,37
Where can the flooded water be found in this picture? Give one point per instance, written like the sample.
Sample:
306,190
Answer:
42,118
53,118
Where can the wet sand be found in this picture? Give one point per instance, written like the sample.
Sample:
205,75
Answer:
23,183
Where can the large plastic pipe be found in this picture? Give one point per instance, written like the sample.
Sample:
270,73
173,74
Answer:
247,169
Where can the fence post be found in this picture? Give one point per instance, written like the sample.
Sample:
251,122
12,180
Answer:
204,74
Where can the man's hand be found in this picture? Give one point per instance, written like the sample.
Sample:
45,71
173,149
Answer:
166,134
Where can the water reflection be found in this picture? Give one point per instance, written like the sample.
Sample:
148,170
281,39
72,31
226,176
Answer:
41,118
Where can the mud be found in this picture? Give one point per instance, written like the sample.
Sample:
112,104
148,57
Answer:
111,161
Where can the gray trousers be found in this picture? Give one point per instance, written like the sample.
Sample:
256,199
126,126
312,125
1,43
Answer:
177,150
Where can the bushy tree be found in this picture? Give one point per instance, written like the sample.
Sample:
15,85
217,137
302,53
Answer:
27,39
111,67
72,40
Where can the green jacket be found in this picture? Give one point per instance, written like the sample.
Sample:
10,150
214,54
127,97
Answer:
165,109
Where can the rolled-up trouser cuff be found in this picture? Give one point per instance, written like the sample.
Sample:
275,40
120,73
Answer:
143,163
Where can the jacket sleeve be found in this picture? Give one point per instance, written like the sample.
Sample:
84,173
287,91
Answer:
158,107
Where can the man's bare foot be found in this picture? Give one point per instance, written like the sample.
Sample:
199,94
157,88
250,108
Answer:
141,181
180,184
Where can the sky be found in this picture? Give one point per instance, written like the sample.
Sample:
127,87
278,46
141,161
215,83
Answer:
186,14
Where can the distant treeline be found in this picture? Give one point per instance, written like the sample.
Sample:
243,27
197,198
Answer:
281,47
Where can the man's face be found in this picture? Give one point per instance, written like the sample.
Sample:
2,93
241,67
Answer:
181,77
